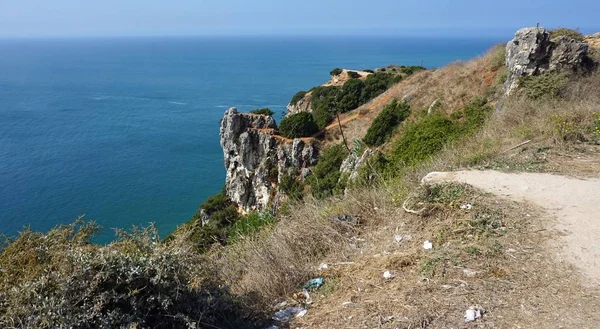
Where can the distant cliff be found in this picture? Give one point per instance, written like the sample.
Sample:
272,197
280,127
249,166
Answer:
257,159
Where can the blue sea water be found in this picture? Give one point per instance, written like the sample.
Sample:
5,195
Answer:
125,131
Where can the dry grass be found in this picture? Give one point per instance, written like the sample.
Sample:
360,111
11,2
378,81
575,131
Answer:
517,283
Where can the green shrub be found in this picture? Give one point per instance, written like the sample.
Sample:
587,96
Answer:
368,71
544,85
298,125
376,84
409,70
61,280
222,213
297,97
336,71
326,174
573,34
249,225
348,97
291,186
353,75
383,126
323,103
424,138
264,111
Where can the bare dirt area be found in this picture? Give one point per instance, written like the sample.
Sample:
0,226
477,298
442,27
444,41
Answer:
574,202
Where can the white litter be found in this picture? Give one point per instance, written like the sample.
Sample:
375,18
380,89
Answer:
398,238
288,313
323,266
388,275
427,245
472,314
469,273
467,206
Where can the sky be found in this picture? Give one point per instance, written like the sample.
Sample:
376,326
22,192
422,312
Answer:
109,18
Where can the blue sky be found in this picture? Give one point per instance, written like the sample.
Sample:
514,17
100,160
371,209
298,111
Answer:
80,18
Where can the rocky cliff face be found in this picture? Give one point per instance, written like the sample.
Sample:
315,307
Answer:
533,52
303,105
257,159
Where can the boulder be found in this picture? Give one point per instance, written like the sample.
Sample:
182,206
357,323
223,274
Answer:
533,52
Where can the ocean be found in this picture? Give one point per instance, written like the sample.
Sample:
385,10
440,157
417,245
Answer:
126,131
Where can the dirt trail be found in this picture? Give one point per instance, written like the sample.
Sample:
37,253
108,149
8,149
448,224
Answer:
574,202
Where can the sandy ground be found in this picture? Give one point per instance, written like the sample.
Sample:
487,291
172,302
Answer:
574,202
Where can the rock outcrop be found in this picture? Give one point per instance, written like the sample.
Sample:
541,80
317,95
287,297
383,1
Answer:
257,159
303,105
533,52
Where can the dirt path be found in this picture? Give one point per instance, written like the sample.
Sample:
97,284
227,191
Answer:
574,202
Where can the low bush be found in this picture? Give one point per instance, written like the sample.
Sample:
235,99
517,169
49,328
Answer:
573,34
264,111
409,70
61,280
298,125
336,71
249,225
353,75
326,174
544,85
424,138
291,187
349,96
383,126
297,97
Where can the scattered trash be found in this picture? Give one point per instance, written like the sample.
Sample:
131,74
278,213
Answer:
314,283
288,313
398,238
323,266
273,327
388,275
511,250
472,314
467,206
281,305
427,245
469,273
347,303
352,220
302,313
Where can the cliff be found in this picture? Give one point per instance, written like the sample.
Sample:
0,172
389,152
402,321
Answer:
257,159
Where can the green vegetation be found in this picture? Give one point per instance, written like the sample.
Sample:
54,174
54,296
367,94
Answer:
291,186
323,105
61,280
409,70
424,138
544,85
222,213
298,125
353,75
383,126
297,97
249,225
264,111
336,71
348,97
573,34
326,174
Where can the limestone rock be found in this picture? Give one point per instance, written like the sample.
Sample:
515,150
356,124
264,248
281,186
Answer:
256,158
303,105
533,52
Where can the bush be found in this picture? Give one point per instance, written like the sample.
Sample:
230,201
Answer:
323,103
61,280
573,34
249,225
409,70
326,174
297,97
336,71
376,84
222,214
368,71
383,126
353,75
348,97
424,138
264,111
298,125
291,187
544,85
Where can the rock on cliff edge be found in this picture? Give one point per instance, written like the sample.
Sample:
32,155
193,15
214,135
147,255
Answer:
257,159
534,52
